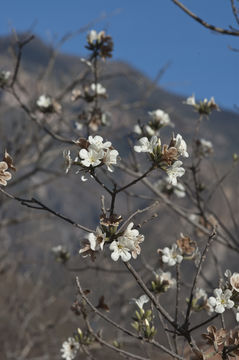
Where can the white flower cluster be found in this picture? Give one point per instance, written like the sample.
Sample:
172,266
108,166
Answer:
69,349
200,301
165,186
168,155
146,145
190,100
4,77
96,242
44,101
94,37
175,171
94,152
143,299
204,107
171,256
221,300
165,279
127,245
159,119
89,92
204,147
47,104
98,153
181,146
98,89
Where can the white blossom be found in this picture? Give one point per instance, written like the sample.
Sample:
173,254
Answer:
212,103
98,152
4,77
98,89
234,281
150,131
97,239
106,118
206,144
69,349
200,298
91,157
165,185
147,129
76,94
92,36
195,218
78,126
190,100
132,238
128,242
165,278
175,171
120,249
228,273
203,107
172,256
96,143
181,146
237,315
58,249
179,190
44,101
137,129
205,147
221,300
143,299
110,158
147,146
161,117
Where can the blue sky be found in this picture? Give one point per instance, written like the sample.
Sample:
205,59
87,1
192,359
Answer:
147,34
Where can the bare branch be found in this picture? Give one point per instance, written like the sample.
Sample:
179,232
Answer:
204,23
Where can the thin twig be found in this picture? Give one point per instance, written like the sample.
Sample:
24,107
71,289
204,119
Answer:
137,277
112,347
141,177
139,211
204,323
204,23
20,45
235,11
40,206
203,256
119,327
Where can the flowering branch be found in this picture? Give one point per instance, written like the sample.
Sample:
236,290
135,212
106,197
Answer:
112,347
137,277
121,328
